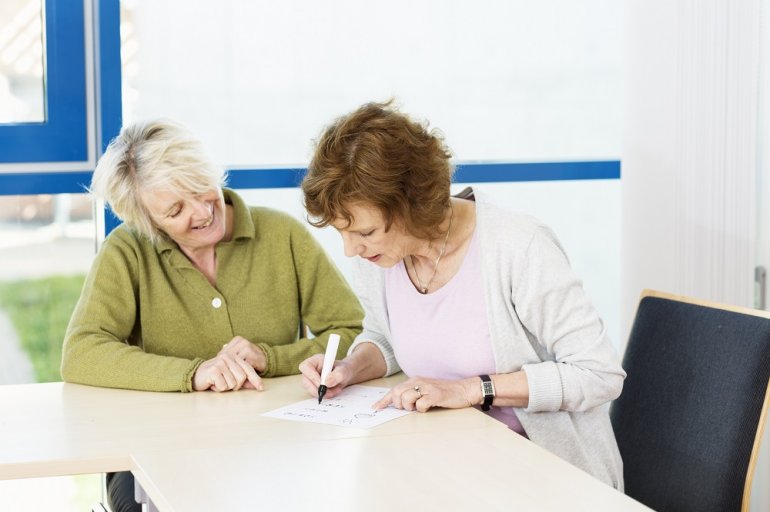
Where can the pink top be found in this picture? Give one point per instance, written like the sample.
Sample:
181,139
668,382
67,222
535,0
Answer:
444,334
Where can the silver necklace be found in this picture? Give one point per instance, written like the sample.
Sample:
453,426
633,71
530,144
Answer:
423,288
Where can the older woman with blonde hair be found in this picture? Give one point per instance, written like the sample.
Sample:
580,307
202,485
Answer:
476,304
195,291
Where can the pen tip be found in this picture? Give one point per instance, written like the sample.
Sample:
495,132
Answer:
321,393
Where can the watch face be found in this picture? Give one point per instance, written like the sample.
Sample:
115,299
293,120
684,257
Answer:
487,388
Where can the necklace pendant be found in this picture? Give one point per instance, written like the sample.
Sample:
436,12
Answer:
424,289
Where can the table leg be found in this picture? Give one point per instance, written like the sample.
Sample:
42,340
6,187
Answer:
141,497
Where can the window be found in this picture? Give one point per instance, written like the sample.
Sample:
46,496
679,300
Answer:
43,124
21,61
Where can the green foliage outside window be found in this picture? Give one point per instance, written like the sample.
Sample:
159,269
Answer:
40,310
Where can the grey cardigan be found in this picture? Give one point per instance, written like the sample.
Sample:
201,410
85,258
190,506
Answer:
540,321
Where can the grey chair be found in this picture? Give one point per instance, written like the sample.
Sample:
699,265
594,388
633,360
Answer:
691,415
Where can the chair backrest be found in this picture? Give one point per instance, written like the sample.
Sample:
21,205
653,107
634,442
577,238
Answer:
690,417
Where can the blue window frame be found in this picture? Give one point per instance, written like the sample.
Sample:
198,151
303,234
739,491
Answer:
62,137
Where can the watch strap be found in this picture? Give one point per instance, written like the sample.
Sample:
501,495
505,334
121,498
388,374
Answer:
487,391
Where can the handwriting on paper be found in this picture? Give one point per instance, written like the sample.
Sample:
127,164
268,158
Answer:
351,408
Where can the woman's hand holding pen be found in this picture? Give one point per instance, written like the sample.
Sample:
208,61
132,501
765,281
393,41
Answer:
364,363
338,378
226,372
421,394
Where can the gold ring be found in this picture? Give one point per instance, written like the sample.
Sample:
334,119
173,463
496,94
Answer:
224,346
419,393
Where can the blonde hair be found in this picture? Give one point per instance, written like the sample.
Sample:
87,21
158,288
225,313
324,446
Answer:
152,155
380,157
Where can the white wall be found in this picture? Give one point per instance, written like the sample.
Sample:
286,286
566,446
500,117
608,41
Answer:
690,150
257,79
690,156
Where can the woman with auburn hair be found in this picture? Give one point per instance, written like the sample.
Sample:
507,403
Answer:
195,291
476,304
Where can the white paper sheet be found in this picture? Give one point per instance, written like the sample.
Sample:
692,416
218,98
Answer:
351,408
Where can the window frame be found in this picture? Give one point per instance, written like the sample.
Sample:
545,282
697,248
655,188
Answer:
63,135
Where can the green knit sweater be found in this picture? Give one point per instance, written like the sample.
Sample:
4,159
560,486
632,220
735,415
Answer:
147,318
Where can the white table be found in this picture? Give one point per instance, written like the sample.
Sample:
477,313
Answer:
210,451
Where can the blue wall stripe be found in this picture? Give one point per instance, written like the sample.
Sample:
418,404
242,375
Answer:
478,172
482,172
265,178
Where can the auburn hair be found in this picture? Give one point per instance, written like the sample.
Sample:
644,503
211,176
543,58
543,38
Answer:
377,156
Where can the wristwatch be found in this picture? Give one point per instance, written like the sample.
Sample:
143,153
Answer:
487,391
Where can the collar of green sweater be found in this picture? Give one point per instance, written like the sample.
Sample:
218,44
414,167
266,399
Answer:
243,225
